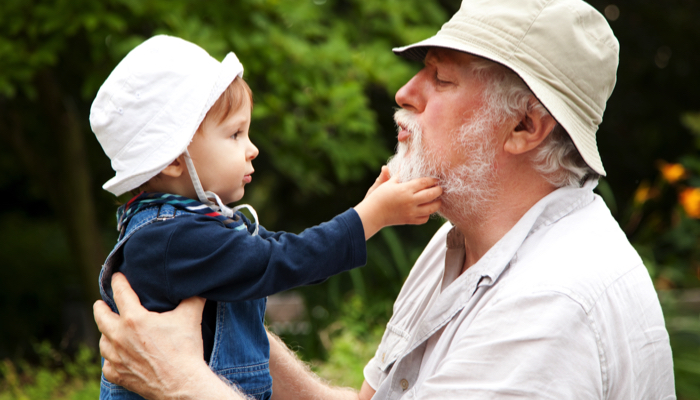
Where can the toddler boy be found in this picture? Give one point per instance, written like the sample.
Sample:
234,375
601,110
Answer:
175,123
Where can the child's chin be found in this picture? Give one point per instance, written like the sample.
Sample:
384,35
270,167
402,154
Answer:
235,199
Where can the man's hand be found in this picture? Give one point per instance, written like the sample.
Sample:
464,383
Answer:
389,202
159,356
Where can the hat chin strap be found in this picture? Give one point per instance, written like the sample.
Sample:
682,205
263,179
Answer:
205,197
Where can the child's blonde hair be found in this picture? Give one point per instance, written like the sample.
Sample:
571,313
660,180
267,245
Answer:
230,100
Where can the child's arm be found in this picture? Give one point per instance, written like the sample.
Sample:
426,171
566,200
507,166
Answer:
389,202
196,255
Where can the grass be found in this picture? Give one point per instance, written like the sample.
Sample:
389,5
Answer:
55,376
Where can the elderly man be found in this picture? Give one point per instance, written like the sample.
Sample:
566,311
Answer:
531,290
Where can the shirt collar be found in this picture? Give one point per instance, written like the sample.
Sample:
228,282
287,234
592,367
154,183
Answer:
545,212
456,290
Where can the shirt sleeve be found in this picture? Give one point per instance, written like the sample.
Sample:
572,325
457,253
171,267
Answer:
537,346
196,255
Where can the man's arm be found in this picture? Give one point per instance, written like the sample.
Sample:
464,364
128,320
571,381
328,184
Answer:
159,355
293,380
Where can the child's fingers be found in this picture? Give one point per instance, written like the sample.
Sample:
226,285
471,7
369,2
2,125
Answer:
431,208
422,183
420,220
427,195
421,213
384,175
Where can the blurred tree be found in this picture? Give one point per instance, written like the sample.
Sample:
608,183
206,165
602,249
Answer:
323,78
320,70
656,82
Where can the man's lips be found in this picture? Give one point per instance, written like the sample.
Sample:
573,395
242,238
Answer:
403,133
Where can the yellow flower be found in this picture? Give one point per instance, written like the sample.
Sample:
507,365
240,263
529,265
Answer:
643,193
672,172
690,200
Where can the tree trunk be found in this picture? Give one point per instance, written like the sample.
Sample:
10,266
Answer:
71,196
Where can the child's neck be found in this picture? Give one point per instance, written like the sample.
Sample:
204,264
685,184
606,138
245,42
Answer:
166,184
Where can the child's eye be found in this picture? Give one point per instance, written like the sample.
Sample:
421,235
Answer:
235,135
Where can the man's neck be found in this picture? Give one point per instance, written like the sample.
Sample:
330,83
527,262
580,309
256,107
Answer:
482,231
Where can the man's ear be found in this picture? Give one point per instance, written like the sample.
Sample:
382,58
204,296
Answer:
175,169
532,129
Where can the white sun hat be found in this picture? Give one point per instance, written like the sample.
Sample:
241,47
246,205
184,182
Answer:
564,50
149,108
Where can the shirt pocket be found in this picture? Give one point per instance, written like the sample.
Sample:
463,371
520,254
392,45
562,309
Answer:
393,344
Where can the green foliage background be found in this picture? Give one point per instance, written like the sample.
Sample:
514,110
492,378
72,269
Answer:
323,78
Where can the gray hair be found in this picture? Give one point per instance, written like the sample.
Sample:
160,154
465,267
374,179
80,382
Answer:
506,95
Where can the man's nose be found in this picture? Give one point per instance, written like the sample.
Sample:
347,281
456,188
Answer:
410,96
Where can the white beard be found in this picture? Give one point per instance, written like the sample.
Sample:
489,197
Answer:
468,188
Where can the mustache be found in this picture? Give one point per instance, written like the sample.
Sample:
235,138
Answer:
418,163
407,120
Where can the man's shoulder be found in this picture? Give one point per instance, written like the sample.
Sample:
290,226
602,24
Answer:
588,240
580,255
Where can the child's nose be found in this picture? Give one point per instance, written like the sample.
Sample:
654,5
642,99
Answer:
253,152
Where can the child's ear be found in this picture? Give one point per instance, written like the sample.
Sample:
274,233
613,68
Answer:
175,169
531,130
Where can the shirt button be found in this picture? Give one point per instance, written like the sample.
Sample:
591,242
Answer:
404,384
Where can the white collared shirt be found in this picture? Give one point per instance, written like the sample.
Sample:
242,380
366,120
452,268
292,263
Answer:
561,307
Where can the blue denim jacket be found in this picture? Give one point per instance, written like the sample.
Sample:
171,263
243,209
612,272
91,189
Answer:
241,350
225,264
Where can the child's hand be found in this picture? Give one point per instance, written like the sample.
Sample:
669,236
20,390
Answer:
389,202
384,176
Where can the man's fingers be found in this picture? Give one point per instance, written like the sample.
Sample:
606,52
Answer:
191,308
109,372
108,352
104,317
107,348
124,296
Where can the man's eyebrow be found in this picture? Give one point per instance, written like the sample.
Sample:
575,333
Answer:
431,57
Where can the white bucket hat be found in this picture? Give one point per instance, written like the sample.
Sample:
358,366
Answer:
150,106
564,50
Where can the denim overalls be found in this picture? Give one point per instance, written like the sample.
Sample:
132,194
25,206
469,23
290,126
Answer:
241,350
